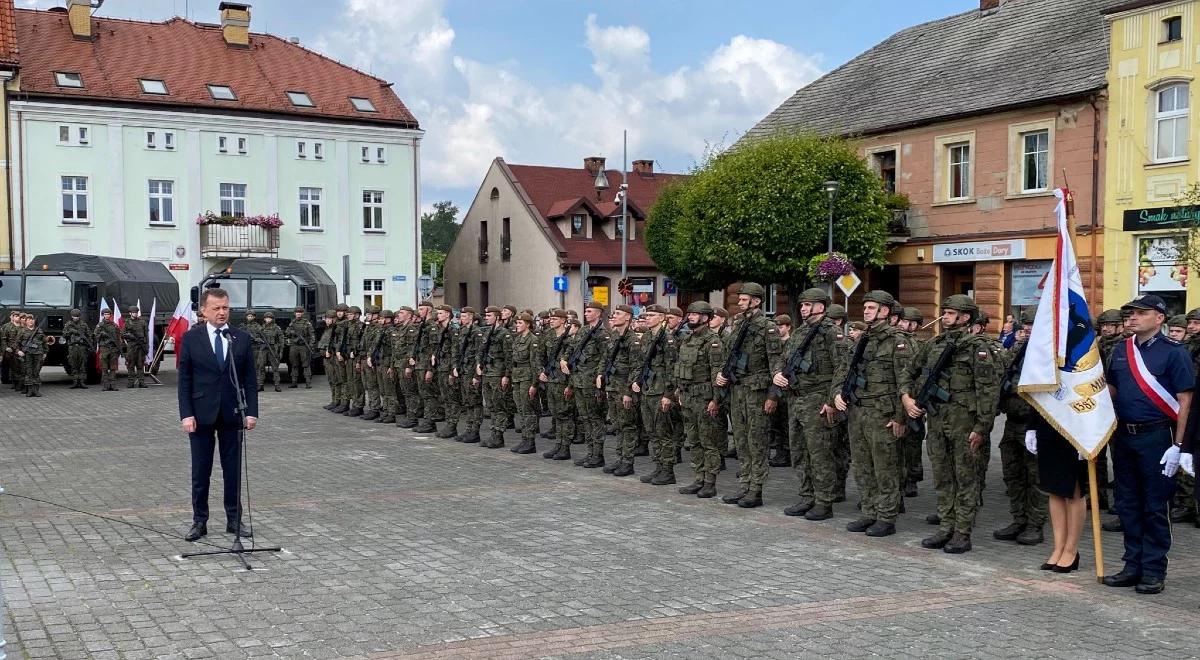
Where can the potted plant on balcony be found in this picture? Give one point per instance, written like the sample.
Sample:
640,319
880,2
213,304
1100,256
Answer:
265,221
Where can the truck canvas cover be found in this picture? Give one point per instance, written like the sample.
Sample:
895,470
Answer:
125,281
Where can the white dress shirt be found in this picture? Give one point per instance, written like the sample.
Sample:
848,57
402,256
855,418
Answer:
214,337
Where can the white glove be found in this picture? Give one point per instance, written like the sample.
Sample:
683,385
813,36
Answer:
1031,441
1170,461
1185,463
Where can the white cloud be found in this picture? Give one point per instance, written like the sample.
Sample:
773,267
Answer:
474,111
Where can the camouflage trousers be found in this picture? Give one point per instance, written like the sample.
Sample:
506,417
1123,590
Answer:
526,414
510,406
261,365
472,403
493,398
430,390
108,366
811,446
955,466
589,419
657,426
33,370
386,383
77,357
299,364
370,385
412,395
1185,488
625,421
911,465
135,365
704,433
451,397
334,376
733,404
875,454
1026,503
748,415
16,369
841,456
562,410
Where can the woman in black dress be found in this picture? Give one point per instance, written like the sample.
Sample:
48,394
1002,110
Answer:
1062,475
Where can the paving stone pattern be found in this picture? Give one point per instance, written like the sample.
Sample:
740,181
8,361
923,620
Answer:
407,546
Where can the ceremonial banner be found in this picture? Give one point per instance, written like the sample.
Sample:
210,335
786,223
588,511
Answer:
1062,376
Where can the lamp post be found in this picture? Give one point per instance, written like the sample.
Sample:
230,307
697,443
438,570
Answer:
831,187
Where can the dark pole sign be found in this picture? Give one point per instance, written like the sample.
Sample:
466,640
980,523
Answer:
1166,217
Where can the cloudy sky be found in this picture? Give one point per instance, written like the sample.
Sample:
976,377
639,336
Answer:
549,82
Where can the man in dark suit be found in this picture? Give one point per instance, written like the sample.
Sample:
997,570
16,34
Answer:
211,355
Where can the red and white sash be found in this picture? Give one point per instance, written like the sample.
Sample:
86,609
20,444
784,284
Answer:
1149,385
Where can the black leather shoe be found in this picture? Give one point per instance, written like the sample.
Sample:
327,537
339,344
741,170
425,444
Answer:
198,531
1150,586
1074,566
246,533
1113,525
1123,579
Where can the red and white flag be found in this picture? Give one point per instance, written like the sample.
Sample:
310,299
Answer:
150,330
103,306
182,319
117,318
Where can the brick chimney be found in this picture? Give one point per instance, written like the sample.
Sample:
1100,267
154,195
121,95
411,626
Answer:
643,167
593,164
79,15
985,5
235,23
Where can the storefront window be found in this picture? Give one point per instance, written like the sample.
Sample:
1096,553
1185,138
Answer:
1161,270
1027,280
643,291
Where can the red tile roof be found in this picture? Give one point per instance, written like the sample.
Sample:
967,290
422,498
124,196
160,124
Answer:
188,56
554,190
8,34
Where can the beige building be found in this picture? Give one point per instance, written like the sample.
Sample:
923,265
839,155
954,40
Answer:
531,224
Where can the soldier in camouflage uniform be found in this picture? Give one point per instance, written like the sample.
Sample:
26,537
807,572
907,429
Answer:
8,338
979,327
341,355
258,345
108,340
135,336
300,339
760,348
524,359
31,348
273,350
78,337
508,317
581,362
912,468
448,383
408,397
959,425
780,446
435,351
371,354
613,384
555,382
864,388
385,375
651,382
492,368
355,362
463,372
841,438
679,330
803,374
422,341
1026,503
325,348
700,358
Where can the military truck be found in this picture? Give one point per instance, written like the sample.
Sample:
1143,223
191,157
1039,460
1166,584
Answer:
51,285
264,284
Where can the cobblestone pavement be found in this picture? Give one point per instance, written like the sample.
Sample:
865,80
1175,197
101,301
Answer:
407,546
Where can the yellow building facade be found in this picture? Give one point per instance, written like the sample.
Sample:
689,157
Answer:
1153,157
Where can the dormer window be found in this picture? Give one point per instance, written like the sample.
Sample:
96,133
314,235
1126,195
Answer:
222,92
362,105
150,86
1172,29
300,99
577,224
68,79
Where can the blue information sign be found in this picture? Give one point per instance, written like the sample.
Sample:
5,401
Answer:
560,283
399,278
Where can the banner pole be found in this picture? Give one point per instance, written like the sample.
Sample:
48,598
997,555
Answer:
1094,494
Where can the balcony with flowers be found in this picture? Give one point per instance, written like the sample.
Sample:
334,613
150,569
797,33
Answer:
227,236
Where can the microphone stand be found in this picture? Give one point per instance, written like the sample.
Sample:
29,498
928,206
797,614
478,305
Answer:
237,549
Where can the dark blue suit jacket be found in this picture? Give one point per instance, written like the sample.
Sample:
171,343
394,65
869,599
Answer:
206,390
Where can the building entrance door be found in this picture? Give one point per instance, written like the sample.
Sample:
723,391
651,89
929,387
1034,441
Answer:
958,279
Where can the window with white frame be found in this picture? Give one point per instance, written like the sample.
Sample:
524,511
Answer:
233,144
68,79
959,181
152,86
74,135
1171,123
1035,161
366,154
301,149
373,293
242,144
168,140
233,199
318,150
310,208
372,210
380,155
75,199
162,202
222,144
300,99
362,104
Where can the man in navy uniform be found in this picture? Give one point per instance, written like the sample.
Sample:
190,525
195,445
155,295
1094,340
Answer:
1150,378
210,357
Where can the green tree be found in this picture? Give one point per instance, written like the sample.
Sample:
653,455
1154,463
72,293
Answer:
760,211
436,258
440,226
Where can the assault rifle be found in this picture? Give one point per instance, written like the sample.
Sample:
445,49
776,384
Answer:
646,373
854,377
551,363
797,362
610,362
930,391
440,348
485,356
1013,372
416,347
577,356
735,362
462,349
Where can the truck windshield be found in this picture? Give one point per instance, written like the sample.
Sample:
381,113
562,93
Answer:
275,294
48,290
236,289
10,290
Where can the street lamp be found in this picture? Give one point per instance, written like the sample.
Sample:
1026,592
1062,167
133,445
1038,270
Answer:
831,187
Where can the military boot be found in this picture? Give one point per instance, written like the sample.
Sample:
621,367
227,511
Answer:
937,541
860,525
1032,535
692,488
612,467
340,408
933,519
665,477
82,386
497,440
819,512
370,415
881,528
330,406
624,469
752,499
781,458
527,446
1113,525
678,455
721,467
354,412
583,459
734,498
595,461
406,422
307,385
448,432
1180,514
1009,533
652,476
910,488
710,487
563,453
550,453
276,387
293,386
959,543
387,419
426,425
799,508
472,437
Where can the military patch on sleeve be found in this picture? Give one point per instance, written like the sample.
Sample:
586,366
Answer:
716,344
901,346
772,331
984,355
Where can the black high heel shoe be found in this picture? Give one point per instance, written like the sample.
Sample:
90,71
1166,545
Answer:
1047,567
1067,569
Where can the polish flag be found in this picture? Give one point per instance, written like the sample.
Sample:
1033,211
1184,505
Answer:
117,318
150,328
103,306
182,320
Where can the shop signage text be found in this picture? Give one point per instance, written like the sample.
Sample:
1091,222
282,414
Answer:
981,251
1165,217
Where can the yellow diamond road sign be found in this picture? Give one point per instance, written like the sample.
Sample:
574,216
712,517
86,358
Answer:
848,283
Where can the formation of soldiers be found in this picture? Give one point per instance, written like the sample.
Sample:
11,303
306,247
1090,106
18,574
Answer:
835,397
273,346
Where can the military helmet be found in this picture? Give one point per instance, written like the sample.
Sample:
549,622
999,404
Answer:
249,315
1177,321
881,297
1193,315
76,312
675,311
375,309
105,311
299,309
912,314
753,289
700,307
329,313
783,319
835,312
387,314
355,310
815,295
342,307
981,318
269,315
1109,317
1027,317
